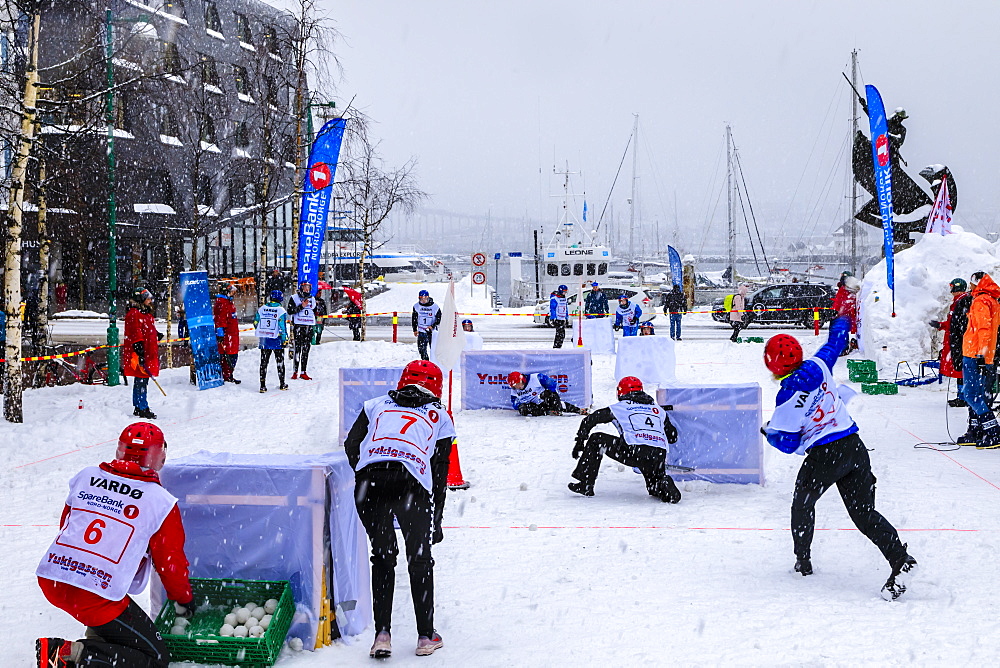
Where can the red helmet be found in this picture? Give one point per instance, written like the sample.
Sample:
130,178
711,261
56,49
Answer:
782,354
629,384
424,374
516,377
144,444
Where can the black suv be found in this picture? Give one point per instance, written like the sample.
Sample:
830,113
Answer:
786,296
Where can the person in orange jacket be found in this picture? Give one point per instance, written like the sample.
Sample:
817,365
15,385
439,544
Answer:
118,524
140,352
978,350
227,331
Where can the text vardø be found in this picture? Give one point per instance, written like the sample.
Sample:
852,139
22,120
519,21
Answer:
115,486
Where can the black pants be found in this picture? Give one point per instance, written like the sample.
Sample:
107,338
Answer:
646,458
279,360
424,343
355,325
130,639
844,462
560,326
549,402
737,325
303,341
228,363
381,491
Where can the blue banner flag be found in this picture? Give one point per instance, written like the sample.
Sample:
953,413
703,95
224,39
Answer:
201,328
585,211
676,271
317,193
883,179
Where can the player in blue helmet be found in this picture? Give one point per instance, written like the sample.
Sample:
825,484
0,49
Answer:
271,330
276,296
646,329
425,319
467,325
559,314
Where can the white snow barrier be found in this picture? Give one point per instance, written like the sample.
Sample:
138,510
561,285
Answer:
718,431
276,517
648,358
484,375
358,385
598,335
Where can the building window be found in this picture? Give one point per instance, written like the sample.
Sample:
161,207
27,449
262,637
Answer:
271,41
243,31
552,269
241,194
206,128
157,185
578,270
209,71
166,121
591,269
212,20
172,60
242,135
291,154
203,190
564,270
175,8
242,80
602,268
271,91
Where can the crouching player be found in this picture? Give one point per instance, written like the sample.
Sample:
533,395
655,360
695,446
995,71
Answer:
534,394
644,432
811,418
399,446
118,522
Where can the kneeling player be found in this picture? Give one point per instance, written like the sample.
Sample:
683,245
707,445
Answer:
534,394
811,418
644,432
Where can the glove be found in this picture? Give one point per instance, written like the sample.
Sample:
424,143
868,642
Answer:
185,611
616,327
220,332
934,323
578,449
140,352
763,430
438,535
671,432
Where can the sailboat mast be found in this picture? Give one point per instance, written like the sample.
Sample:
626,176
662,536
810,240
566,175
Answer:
631,210
854,182
729,207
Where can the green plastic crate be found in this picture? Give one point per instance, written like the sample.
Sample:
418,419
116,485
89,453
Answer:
880,387
754,339
214,599
861,365
862,376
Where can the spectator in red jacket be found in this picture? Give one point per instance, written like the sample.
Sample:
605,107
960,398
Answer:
951,354
140,352
117,524
227,331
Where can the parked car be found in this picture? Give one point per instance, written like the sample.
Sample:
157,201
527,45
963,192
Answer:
766,300
646,301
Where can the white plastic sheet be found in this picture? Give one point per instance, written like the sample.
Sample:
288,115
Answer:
358,385
598,335
649,358
484,375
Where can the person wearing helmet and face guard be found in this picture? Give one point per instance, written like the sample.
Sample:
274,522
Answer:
644,432
118,524
426,317
811,419
534,394
559,314
399,447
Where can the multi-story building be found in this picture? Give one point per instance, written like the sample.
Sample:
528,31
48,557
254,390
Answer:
204,140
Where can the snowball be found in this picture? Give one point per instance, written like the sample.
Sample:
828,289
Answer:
231,620
271,606
242,615
523,486
258,613
256,631
226,630
265,622
532,527
250,605
177,630
181,622
295,644
240,631
179,609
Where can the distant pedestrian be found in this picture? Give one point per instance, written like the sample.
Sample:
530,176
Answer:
978,351
627,316
302,307
271,331
320,320
559,314
954,332
141,350
274,282
425,318
61,292
675,303
227,331
737,317
596,304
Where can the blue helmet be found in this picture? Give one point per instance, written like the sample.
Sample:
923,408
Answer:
647,325
276,295
562,288
466,322
594,285
423,293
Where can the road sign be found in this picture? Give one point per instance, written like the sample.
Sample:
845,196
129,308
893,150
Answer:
478,259
478,277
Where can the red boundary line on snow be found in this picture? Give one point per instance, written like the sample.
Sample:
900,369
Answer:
695,528
941,452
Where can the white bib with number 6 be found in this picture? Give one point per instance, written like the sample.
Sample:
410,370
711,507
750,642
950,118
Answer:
103,543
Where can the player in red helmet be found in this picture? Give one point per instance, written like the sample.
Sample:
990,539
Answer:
117,524
399,447
811,419
644,432
534,394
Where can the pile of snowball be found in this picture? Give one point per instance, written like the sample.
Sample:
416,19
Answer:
246,620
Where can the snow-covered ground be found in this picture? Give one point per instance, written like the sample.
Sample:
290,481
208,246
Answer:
617,579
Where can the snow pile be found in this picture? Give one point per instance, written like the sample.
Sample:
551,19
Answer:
922,294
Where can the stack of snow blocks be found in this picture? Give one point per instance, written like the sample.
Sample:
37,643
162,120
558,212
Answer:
718,430
277,517
484,375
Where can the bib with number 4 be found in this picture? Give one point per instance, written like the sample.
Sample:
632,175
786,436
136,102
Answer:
640,424
103,543
404,434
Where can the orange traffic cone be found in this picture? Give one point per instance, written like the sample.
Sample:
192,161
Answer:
455,479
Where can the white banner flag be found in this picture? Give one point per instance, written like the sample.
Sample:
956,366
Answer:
449,340
939,220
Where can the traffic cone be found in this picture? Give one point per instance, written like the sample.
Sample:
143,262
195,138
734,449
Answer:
455,479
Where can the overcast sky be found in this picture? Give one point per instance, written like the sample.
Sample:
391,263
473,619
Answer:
489,95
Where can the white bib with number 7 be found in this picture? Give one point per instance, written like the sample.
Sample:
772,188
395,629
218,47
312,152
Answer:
404,434
103,543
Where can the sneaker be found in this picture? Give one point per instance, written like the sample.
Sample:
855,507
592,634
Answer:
897,583
382,647
305,376
803,566
427,646
282,387
581,488
957,402
52,652
295,376
263,389
233,381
